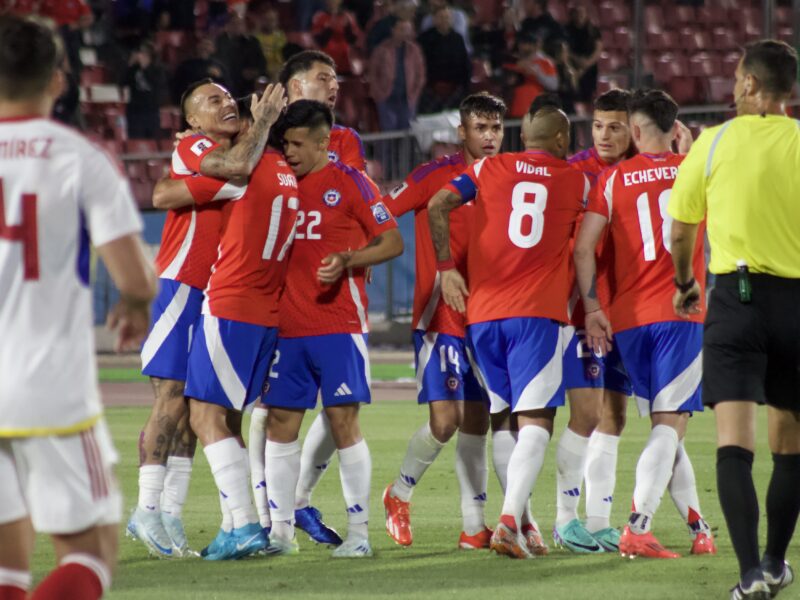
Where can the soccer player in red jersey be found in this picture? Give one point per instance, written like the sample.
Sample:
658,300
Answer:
517,267
661,353
343,226
188,250
445,380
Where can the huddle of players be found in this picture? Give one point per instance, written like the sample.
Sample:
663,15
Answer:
288,316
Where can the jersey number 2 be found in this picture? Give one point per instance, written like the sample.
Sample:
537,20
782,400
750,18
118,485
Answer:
25,233
522,211
646,224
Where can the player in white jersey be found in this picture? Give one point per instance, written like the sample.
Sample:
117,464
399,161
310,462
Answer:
58,193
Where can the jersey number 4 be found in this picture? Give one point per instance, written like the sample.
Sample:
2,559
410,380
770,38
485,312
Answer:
530,214
646,224
25,233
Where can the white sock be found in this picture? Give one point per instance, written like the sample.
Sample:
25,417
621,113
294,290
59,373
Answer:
653,472
283,465
176,485
256,446
683,489
151,484
523,469
318,450
422,450
503,443
355,471
229,467
601,478
473,474
570,463
227,515
16,578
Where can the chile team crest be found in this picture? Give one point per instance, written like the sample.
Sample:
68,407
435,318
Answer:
332,197
333,156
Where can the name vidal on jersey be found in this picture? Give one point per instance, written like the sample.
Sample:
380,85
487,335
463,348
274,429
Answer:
32,148
287,180
648,175
529,169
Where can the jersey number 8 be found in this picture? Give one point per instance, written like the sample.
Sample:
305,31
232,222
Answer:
522,211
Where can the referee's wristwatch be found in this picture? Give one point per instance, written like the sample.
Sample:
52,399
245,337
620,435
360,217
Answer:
684,287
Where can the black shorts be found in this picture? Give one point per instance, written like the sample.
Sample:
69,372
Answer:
752,351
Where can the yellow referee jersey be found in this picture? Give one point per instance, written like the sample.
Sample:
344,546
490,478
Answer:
744,175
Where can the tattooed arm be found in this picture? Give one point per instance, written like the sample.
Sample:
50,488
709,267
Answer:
454,289
598,328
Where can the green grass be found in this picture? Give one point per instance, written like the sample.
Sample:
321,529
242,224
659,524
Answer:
432,567
380,372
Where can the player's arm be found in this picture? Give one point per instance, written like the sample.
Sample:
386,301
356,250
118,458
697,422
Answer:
454,288
353,152
133,275
385,246
171,193
683,238
242,158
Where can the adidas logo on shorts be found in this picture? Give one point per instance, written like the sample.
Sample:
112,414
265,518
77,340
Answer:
343,390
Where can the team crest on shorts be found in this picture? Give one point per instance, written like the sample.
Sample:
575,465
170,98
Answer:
593,370
265,388
332,156
452,383
331,197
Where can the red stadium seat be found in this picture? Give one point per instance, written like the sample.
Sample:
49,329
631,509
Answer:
304,39
669,66
156,169
786,34
167,145
723,39
693,40
653,19
684,90
136,170
113,147
613,13
720,90
783,15
375,171
141,147
711,15
704,65
666,40
143,193
93,76
680,16
729,63
622,38
608,38
749,22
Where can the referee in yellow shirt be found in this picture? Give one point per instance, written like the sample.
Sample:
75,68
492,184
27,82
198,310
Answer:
744,178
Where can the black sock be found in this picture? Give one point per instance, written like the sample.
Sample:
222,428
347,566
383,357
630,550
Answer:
737,495
783,504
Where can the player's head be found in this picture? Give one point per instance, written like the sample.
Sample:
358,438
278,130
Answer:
208,107
305,132
610,132
310,75
481,128
652,117
766,73
30,55
547,130
542,100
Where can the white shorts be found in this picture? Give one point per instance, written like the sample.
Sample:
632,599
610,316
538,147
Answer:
65,483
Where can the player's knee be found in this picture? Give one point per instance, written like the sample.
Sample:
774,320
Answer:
443,430
612,421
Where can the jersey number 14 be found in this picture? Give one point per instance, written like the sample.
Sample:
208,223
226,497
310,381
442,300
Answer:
25,233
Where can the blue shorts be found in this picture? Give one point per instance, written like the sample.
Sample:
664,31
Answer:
665,364
585,369
443,369
228,361
336,364
519,362
165,352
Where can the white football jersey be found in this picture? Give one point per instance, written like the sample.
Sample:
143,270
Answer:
58,193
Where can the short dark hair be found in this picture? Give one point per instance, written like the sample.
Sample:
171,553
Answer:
482,104
29,55
187,94
304,113
774,63
657,105
613,100
243,105
547,99
302,62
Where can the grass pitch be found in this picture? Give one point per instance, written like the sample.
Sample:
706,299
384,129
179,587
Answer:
433,567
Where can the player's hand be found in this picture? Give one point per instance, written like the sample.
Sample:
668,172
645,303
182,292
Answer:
271,104
598,332
687,304
368,274
130,319
454,290
332,268
683,138
182,134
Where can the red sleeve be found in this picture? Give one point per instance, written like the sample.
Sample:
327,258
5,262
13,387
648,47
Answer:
598,199
319,22
192,150
408,196
368,209
205,190
353,151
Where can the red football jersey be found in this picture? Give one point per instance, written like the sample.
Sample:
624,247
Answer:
634,197
190,236
430,311
346,147
340,209
248,277
526,205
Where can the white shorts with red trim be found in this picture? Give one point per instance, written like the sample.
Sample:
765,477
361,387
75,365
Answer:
65,483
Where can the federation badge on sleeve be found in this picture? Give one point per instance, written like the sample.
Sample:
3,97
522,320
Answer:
333,156
200,146
380,213
332,197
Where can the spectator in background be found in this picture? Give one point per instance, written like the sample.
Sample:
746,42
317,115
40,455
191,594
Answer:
396,77
147,81
585,46
558,51
241,54
538,22
460,21
362,9
72,17
534,74
272,40
447,65
304,10
337,34
202,66
382,30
